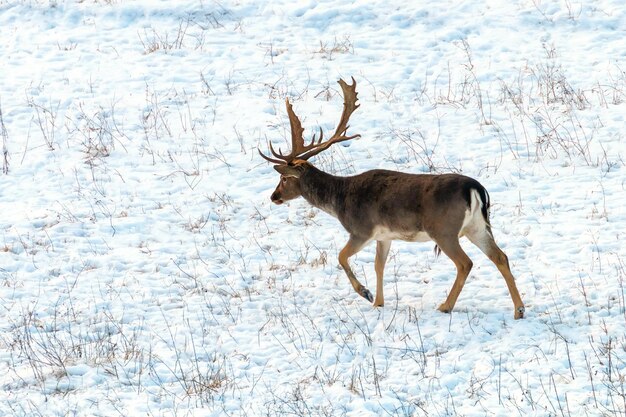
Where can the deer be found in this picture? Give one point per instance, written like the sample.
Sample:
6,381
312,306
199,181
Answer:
383,206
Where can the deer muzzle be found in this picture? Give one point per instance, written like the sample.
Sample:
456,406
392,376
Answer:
276,198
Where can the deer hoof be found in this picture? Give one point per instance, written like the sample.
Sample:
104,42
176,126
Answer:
365,293
519,312
444,308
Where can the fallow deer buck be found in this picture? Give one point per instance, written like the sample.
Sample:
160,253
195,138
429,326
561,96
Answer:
386,205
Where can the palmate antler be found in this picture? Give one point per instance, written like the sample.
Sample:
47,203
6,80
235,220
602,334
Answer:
301,151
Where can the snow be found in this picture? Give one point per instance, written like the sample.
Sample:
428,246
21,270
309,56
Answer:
144,271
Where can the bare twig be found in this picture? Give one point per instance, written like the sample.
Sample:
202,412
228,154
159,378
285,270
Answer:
5,140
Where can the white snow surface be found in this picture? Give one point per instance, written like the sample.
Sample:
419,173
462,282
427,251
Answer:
145,272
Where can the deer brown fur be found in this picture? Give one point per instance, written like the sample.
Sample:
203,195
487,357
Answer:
387,205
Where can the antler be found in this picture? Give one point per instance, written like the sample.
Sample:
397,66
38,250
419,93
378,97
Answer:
349,106
301,151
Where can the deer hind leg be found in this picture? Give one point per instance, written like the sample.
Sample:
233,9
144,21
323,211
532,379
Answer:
463,263
352,247
382,250
485,241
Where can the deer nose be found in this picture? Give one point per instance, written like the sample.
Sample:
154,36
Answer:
276,198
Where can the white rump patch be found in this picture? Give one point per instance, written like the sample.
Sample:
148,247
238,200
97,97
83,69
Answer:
474,220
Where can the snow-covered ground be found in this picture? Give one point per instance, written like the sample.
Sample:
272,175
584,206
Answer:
144,271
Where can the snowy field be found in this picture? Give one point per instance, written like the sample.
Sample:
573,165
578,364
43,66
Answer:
144,271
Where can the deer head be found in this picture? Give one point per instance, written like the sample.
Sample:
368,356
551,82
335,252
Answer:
292,165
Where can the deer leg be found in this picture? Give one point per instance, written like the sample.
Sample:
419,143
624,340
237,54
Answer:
487,244
382,250
352,247
463,263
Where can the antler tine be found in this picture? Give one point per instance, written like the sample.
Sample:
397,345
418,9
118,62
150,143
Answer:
281,158
278,154
319,140
349,106
272,160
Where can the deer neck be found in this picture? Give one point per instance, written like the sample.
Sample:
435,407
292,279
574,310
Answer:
322,190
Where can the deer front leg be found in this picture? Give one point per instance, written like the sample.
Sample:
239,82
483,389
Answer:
352,247
382,250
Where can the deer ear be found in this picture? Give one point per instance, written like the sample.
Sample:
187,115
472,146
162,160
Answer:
288,171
